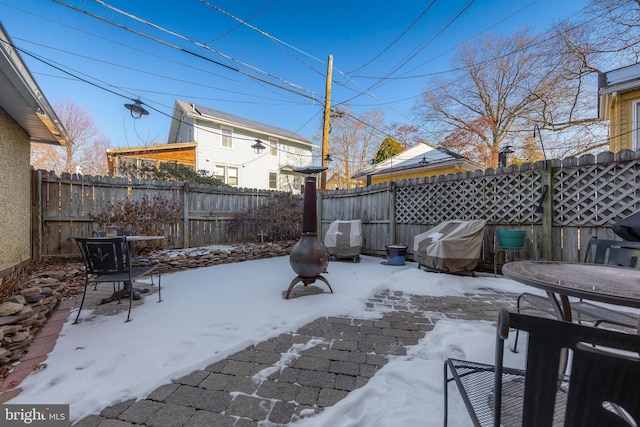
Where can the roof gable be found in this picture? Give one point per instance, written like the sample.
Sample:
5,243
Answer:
419,157
205,113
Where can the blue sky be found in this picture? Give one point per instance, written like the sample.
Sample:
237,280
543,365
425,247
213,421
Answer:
124,66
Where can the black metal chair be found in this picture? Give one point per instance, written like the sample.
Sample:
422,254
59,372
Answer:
537,396
109,260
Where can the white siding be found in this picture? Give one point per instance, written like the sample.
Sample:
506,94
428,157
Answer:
185,130
253,169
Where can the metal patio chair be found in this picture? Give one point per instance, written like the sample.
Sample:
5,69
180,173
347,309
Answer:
601,384
109,260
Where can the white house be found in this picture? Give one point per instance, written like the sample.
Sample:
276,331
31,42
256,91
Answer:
224,148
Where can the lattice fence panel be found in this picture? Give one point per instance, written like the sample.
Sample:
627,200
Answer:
595,194
505,199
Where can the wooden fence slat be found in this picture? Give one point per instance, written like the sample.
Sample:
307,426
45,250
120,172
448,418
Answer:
586,195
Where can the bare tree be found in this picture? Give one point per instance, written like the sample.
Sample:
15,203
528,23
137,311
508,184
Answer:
503,86
469,144
614,29
405,134
87,151
352,143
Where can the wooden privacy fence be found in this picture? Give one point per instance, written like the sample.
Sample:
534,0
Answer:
62,207
580,197
584,196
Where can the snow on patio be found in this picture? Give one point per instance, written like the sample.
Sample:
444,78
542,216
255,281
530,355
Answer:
213,312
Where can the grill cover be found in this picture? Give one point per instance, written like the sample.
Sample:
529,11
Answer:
450,247
344,238
628,228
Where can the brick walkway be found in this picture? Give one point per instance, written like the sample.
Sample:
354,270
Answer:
295,375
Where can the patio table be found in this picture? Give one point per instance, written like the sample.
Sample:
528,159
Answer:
596,282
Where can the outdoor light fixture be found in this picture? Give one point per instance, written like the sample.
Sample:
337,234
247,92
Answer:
424,161
502,156
328,158
258,147
136,109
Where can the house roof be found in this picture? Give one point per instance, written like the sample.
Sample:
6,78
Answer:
23,100
206,113
418,158
152,148
619,80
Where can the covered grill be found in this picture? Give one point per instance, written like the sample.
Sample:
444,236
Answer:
450,247
344,239
628,228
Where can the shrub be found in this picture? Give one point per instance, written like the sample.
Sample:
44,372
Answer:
143,217
279,219
167,171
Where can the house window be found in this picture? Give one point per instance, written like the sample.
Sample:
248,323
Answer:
273,147
218,173
273,180
232,176
226,137
226,174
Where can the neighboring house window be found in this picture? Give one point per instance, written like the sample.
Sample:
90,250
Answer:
226,174
218,173
635,138
273,180
232,176
273,147
226,137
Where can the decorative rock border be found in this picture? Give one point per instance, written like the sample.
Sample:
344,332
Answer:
22,315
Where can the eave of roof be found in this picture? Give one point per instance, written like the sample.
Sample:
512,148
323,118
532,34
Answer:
623,79
410,160
23,100
154,147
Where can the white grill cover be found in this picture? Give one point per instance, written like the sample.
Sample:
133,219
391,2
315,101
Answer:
344,238
451,247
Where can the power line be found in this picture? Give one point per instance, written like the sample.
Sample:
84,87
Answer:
197,55
201,45
240,25
415,21
278,42
137,70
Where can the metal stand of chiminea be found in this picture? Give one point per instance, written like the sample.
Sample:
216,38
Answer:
309,257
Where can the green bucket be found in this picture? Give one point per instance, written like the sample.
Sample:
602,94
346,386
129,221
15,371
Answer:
511,239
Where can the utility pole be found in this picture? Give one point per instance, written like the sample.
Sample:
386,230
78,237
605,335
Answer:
325,124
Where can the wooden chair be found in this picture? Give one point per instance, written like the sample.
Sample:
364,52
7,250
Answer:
538,396
109,260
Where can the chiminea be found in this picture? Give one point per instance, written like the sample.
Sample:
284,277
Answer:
309,257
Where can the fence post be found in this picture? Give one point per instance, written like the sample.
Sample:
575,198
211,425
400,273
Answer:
36,215
547,212
185,216
392,213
